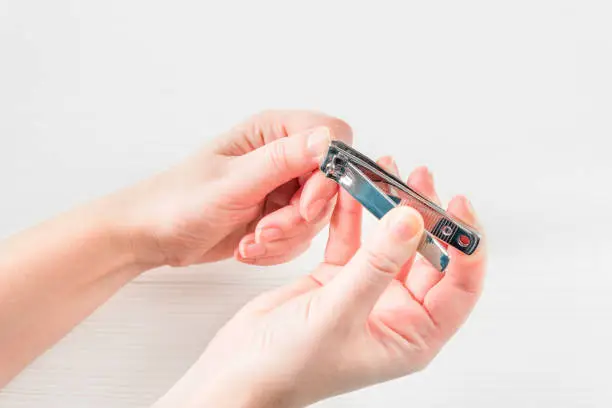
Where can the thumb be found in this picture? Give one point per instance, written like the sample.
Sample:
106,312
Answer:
272,165
357,288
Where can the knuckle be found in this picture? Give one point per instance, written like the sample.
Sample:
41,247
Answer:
267,113
381,263
264,116
277,156
421,364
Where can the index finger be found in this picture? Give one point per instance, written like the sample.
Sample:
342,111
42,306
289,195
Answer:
268,126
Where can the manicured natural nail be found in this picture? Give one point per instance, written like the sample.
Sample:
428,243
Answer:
394,167
468,206
253,250
405,223
268,234
303,178
318,142
429,175
387,163
315,209
424,173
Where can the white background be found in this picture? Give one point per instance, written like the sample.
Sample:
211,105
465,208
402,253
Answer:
507,102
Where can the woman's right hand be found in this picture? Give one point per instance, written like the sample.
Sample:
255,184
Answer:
254,192
364,316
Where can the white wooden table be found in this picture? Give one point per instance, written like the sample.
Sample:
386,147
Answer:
507,102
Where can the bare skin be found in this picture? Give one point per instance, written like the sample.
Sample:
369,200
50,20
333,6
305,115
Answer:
254,194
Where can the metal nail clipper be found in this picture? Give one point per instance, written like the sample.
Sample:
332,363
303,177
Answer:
379,191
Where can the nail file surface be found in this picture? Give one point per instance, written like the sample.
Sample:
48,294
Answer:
379,191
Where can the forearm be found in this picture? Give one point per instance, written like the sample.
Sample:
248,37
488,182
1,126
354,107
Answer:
54,275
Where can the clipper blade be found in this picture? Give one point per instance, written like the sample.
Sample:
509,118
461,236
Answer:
435,253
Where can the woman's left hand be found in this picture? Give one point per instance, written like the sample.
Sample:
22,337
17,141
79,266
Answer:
365,315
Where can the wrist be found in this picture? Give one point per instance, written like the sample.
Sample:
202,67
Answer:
164,224
200,387
240,396
124,239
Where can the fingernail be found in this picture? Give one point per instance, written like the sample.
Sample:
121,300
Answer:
389,164
314,209
405,223
393,167
318,142
303,178
429,175
468,206
423,171
268,234
253,250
